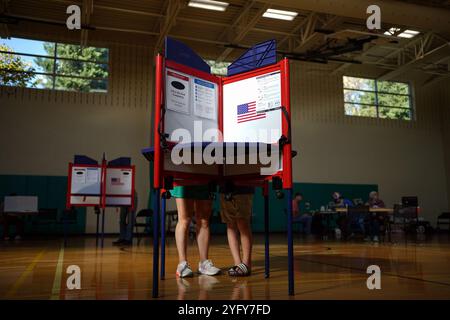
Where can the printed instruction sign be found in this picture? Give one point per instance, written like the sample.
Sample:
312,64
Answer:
177,91
86,180
205,102
92,175
268,92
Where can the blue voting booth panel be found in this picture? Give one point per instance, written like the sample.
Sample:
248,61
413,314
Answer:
258,56
182,54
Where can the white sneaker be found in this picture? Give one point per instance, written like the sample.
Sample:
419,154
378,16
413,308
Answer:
375,239
207,268
184,270
367,239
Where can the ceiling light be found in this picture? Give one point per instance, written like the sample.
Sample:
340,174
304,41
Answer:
209,4
280,14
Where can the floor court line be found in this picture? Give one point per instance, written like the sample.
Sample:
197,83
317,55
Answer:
12,291
56,289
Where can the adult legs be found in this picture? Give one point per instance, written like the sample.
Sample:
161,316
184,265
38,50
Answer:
246,240
123,224
130,225
185,208
202,214
5,226
233,242
305,222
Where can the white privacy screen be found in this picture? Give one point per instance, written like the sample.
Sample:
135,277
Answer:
251,110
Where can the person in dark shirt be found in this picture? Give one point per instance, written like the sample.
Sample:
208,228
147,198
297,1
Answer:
374,221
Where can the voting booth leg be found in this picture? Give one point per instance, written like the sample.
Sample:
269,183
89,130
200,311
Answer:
103,227
155,243
266,237
290,243
163,237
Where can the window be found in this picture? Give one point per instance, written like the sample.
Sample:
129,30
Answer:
51,65
377,99
218,68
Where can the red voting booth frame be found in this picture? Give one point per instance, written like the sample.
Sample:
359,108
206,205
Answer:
103,195
183,178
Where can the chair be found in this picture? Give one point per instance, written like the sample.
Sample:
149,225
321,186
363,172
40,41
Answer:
443,220
146,215
405,217
355,219
47,216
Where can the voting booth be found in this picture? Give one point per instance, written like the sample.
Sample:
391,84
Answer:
221,131
109,184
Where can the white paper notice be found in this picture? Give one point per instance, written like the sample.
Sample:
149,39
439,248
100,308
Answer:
268,92
126,177
177,90
80,176
205,102
92,175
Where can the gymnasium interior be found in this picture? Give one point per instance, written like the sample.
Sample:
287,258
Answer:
369,112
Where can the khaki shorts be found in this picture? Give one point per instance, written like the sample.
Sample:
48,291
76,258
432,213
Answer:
240,207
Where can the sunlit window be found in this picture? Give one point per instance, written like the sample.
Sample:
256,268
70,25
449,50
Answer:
51,65
377,99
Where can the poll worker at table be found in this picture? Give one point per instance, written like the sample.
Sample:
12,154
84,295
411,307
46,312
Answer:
127,218
375,201
7,220
304,218
340,201
193,201
344,221
236,212
373,220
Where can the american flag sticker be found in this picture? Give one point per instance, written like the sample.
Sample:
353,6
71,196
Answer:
116,182
247,112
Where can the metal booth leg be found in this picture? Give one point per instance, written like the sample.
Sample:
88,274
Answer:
266,236
163,237
156,208
290,243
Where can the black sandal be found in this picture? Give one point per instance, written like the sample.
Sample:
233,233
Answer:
241,270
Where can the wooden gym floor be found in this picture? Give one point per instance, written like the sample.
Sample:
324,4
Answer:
36,269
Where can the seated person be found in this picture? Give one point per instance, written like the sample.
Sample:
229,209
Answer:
345,222
375,201
304,219
7,220
341,202
373,221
